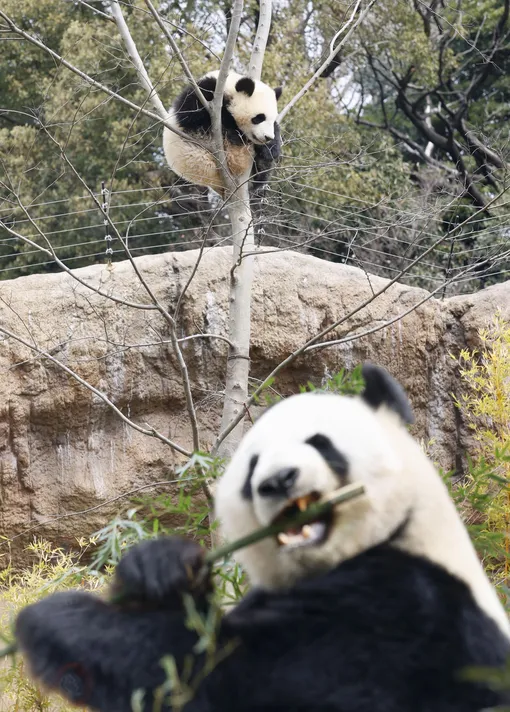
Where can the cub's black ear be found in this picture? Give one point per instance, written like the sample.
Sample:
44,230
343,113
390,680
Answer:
246,86
382,389
278,92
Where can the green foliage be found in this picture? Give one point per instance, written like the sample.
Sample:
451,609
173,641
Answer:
485,494
149,516
345,383
49,572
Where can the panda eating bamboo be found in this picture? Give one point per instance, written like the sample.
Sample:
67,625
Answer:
379,606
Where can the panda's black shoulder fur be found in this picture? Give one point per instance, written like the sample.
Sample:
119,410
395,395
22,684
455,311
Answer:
266,156
193,117
382,632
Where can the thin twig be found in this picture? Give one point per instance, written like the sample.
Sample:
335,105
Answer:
178,54
96,11
152,431
94,508
204,336
333,51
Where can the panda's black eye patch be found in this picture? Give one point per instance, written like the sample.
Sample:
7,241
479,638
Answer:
258,119
331,455
246,491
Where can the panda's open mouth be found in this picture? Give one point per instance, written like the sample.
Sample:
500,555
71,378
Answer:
310,534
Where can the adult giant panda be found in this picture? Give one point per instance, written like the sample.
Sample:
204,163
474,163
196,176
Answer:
249,126
380,607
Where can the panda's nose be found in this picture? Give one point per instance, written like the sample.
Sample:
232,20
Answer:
278,484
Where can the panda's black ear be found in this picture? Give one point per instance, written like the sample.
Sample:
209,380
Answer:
246,86
278,92
382,389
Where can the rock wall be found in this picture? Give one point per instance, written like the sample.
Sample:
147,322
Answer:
64,455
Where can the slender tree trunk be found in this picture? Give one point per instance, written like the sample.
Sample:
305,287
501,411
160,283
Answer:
241,280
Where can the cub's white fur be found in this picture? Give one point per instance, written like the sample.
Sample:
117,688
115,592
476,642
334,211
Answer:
400,482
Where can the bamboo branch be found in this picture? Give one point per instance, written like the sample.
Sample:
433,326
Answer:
314,511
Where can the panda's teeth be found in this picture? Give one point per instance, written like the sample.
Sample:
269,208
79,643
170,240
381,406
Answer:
302,503
309,534
306,531
318,530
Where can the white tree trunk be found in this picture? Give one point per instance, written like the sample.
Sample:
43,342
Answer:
241,279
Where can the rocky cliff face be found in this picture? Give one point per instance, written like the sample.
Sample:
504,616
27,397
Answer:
63,451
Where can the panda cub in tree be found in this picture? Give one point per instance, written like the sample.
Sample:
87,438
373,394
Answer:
381,606
251,133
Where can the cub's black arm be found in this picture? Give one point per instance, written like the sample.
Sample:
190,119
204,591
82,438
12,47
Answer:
266,156
98,653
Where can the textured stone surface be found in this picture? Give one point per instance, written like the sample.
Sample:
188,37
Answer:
63,451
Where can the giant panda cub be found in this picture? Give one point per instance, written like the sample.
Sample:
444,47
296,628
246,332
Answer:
249,126
382,606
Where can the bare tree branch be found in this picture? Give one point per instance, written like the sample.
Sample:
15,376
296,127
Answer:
261,38
143,75
60,60
146,431
302,349
178,54
164,312
334,49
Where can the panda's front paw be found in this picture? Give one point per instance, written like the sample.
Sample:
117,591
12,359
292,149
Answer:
159,572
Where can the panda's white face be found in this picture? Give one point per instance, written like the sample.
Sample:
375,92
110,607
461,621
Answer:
253,105
303,448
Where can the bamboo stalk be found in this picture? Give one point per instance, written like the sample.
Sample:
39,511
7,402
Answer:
313,512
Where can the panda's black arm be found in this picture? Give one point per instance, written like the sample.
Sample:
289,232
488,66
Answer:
266,156
97,653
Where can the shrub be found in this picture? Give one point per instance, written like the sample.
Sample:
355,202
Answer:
485,494
51,570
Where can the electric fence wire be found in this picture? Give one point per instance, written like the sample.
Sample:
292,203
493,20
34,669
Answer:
378,237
